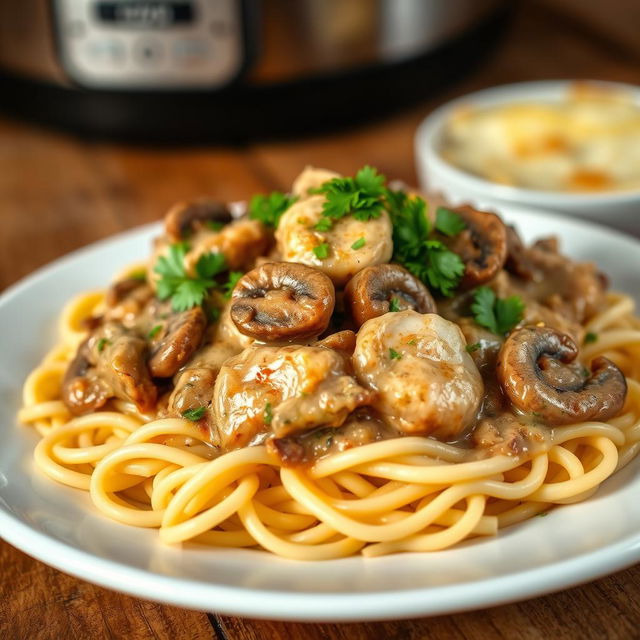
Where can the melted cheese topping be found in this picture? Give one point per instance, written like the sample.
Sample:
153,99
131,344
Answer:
588,142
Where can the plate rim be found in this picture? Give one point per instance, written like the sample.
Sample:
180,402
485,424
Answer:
308,606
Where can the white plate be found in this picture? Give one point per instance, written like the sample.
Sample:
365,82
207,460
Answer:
59,526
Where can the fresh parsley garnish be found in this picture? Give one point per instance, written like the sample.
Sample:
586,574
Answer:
590,337
473,347
102,343
324,224
394,355
358,244
155,331
140,275
426,258
230,284
449,222
394,304
269,209
186,291
321,251
361,197
268,413
213,313
194,414
214,225
499,315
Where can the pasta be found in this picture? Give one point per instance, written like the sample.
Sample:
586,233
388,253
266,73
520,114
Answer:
409,493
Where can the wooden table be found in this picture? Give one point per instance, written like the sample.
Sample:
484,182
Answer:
58,193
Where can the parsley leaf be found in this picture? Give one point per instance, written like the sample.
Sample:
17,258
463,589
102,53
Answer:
470,348
155,331
360,197
269,209
499,315
590,337
194,414
214,225
395,355
186,291
394,305
324,224
321,251
358,244
449,222
231,283
267,416
427,259
102,343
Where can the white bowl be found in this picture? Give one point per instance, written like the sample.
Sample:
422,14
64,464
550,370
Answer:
616,208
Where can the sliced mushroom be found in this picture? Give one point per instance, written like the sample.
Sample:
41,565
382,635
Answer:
82,390
518,261
111,362
182,217
281,301
343,341
482,246
179,338
370,292
535,372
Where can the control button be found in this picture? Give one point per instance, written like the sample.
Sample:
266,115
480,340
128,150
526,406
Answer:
105,51
148,52
190,51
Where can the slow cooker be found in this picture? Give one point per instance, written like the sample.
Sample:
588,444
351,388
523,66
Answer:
232,70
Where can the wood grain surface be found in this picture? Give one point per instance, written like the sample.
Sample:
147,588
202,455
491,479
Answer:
58,193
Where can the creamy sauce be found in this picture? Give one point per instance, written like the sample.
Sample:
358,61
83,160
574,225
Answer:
587,143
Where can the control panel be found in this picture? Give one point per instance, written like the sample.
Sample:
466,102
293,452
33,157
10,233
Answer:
151,44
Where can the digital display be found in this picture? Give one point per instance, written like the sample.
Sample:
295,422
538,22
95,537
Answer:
145,13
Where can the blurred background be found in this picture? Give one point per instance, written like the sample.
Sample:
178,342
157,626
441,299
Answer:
111,110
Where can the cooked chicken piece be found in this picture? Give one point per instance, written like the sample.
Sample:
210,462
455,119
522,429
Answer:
283,390
426,382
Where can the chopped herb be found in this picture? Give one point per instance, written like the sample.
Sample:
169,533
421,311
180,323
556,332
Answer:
194,414
585,372
138,275
321,251
449,222
412,341
543,514
499,315
394,304
590,338
214,225
213,313
324,224
268,413
269,209
427,259
231,283
186,291
361,197
394,355
102,343
473,347
154,331
359,243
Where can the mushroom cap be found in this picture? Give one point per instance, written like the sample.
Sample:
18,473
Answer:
369,293
535,372
482,246
282,301
182,216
